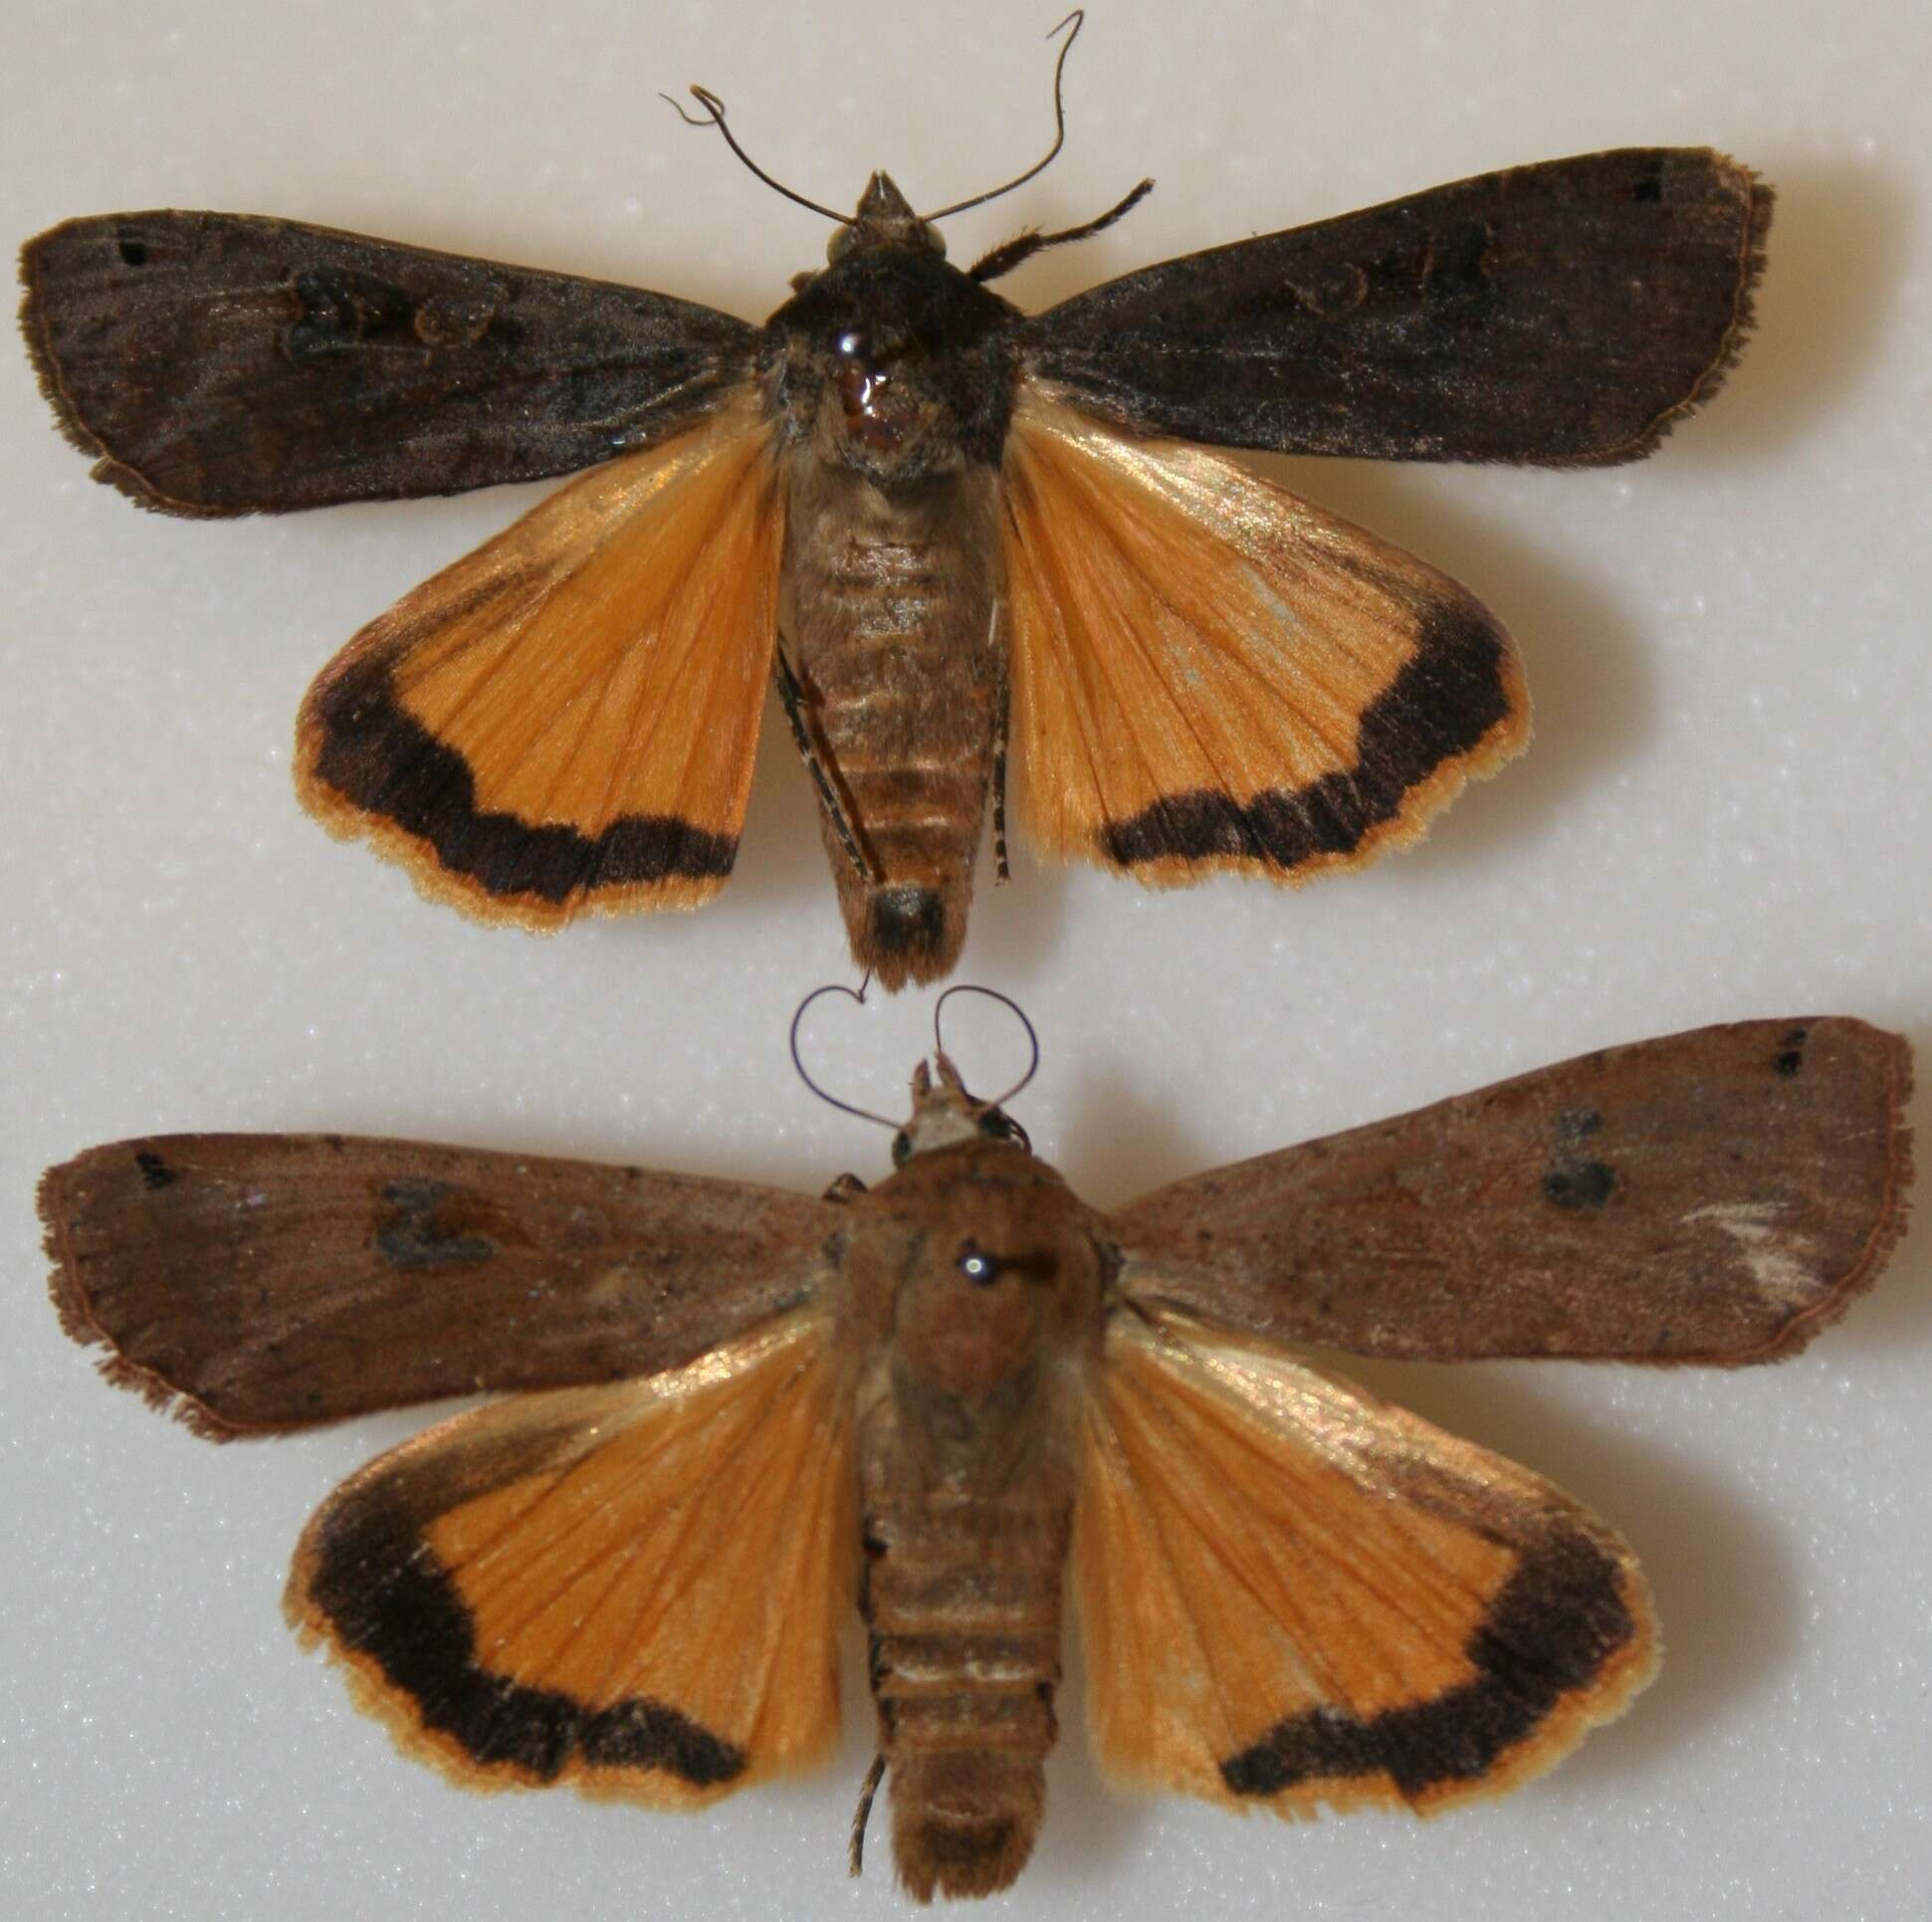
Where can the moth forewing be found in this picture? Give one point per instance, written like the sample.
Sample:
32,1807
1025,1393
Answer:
1567,312
258,1283
1715,1196
229,363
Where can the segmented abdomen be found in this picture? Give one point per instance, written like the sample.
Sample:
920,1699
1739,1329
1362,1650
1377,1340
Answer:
961,1599
886,613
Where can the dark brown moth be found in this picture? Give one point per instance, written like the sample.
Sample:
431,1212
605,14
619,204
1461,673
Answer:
732,1410
953,533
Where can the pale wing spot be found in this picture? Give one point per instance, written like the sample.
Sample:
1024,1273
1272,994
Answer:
1779,1260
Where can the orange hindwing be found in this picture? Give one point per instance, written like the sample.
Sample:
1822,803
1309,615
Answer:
566,718
1209,673
633,1588
1295,1594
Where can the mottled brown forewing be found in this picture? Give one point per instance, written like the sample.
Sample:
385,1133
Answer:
1715,1196
228,363
262,1282
1563,313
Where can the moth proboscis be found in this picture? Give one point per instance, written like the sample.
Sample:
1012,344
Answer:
953,533
732,1409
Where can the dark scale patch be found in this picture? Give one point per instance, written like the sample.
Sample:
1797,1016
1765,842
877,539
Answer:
1441,706
134,253
155,1173
904,920
378,758
426,1231
1579,1184
386,1597
1550,1631
1790,1057
1573,1180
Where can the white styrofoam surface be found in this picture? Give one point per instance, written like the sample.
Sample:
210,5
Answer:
1725,814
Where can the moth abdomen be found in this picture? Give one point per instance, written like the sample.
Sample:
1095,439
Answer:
962,1598
886,609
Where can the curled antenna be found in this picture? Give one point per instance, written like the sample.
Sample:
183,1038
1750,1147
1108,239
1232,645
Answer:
1076,19
715,109
1019,1014
797,1061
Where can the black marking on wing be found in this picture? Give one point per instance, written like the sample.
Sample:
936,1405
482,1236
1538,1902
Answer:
380,758
1440,707
387,1597
1552,1630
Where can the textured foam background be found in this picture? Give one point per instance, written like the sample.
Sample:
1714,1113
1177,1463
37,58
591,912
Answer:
1725,814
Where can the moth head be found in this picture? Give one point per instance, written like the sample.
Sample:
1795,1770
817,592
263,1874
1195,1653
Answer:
884,220
945,1115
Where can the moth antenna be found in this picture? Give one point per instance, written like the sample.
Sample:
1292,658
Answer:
855,1851
797,1060
1019,1014
714,109
1078,19
1009,254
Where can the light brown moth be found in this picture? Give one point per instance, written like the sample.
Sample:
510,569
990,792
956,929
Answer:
951,534
733,1411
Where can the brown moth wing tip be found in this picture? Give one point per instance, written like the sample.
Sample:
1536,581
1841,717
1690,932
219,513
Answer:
68,421
1893,1215
77,1321
1758,198
1421,805
445,887
53,390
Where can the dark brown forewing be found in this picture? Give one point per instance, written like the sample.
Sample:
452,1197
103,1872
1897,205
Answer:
1562,313
262,1282
225,363
1713,1196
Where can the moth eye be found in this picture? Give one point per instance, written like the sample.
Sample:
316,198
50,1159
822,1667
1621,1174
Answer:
934,238
902,1148
978,1267
852,344
1001,1126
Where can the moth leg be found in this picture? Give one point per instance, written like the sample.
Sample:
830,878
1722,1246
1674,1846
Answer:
855,1851
793,696
1002,700
845,1188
